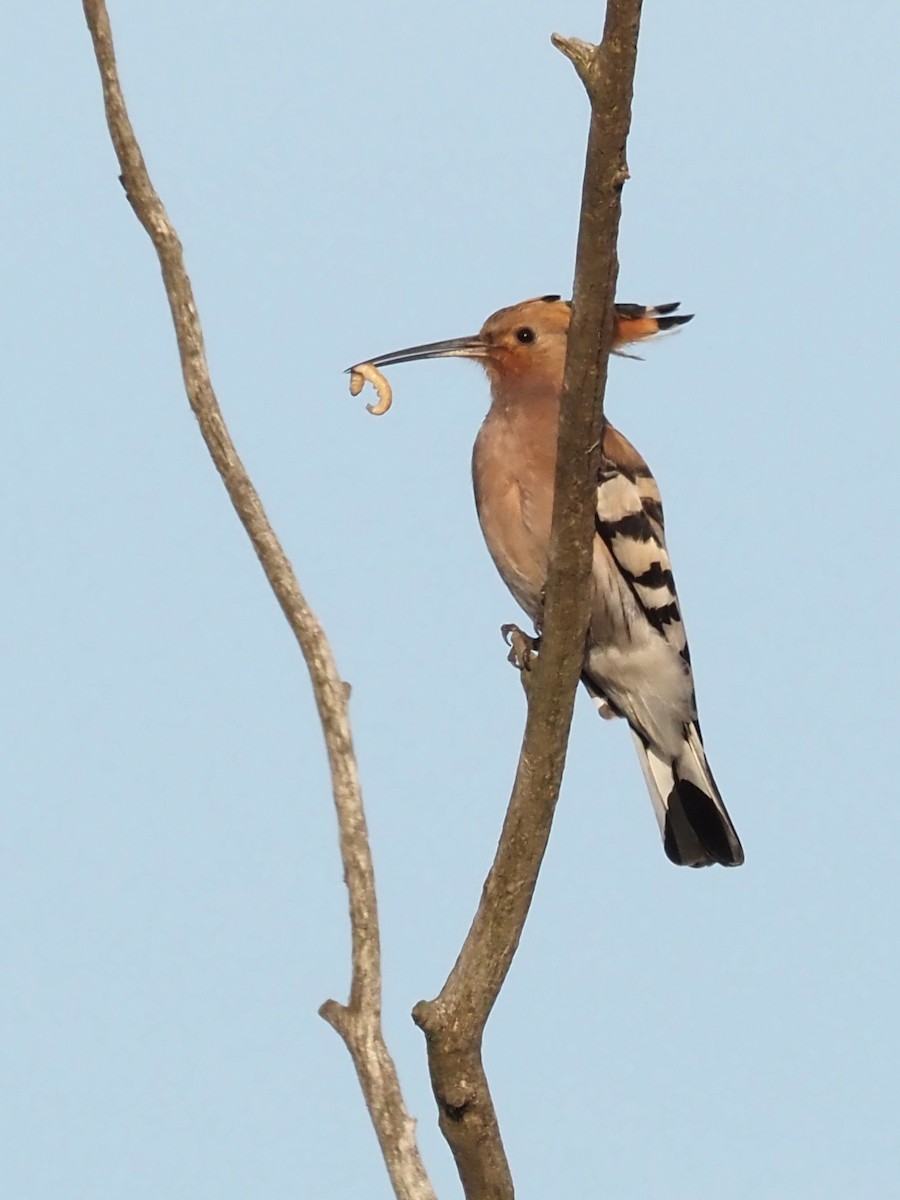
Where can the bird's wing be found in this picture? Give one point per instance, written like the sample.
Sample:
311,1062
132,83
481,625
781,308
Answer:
638,664
629,521
637,656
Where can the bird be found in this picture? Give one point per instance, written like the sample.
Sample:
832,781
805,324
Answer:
637,664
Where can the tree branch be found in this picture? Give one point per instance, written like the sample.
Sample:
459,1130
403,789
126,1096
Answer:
454,1022
358,1022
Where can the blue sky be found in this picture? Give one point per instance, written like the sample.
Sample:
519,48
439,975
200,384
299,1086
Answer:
348,179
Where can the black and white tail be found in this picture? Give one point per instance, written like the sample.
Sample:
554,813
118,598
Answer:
695,825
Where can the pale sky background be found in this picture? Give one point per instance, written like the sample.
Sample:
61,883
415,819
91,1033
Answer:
348,179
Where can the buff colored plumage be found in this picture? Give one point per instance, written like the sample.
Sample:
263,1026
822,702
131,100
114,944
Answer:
637,664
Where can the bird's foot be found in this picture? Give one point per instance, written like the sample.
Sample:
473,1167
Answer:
523,647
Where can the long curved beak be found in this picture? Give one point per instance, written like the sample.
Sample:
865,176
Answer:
464,347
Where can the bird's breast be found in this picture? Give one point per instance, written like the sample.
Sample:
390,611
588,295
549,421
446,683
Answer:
513,470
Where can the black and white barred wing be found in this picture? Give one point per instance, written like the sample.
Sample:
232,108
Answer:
639,665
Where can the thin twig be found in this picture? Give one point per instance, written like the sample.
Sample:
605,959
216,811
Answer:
358,1022
454,1022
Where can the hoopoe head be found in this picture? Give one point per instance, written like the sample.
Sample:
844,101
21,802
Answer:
525,344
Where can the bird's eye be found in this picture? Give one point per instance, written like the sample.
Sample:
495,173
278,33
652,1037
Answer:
524,335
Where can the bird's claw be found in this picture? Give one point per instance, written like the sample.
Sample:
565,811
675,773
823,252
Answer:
523,648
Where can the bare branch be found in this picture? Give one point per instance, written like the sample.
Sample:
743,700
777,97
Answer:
454,1022
359,1022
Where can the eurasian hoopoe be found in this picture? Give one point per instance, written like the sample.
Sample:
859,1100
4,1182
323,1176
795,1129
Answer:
637,664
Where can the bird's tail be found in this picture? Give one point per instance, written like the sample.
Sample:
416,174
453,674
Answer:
695,825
